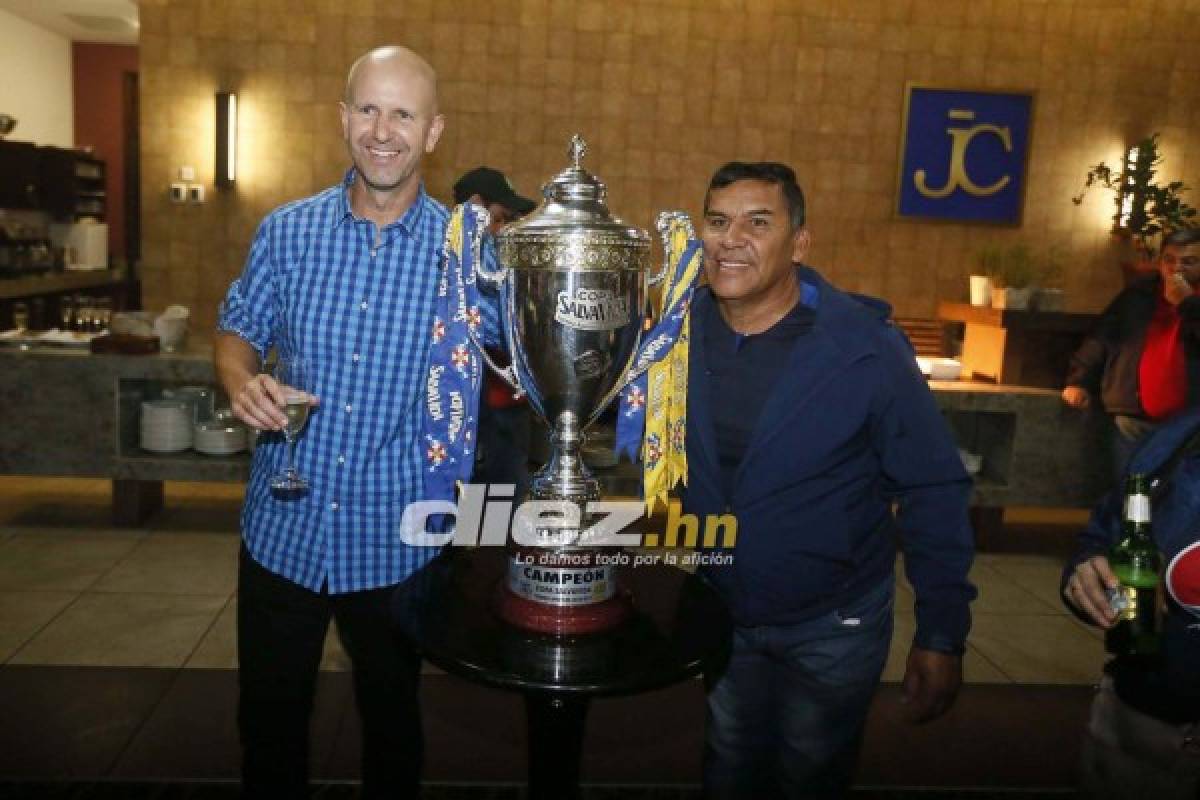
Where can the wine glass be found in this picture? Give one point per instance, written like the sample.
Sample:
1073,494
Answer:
65,312
294,376
83,313
20,315
104,317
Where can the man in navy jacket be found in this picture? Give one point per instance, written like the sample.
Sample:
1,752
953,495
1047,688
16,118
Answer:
810,422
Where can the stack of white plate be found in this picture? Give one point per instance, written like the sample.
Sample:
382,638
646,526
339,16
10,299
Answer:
199,398
221,436
166,426
940,369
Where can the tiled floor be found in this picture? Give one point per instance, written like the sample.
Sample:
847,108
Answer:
74,591
119,664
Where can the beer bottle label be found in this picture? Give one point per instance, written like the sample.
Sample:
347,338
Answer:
1137,508
1124,602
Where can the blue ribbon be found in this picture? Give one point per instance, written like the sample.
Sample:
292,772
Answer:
450,413
631,414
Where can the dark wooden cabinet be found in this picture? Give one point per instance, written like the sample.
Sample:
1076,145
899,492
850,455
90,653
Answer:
71,185
19,178
66,184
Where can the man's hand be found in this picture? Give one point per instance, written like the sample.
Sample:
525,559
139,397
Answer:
1076,397
931,682
1087,587
260,401
1176,289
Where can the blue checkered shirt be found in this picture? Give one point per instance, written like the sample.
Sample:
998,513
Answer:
361,314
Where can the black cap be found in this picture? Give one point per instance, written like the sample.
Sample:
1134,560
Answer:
493,187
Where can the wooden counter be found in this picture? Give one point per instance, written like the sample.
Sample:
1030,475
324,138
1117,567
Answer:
54,282
1020,348
76,414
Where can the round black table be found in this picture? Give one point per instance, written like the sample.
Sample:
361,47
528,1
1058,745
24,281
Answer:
678,629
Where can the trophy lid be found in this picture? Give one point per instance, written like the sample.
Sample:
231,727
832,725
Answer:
573,207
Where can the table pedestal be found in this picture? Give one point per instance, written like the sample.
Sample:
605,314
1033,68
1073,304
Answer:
677,628
556,725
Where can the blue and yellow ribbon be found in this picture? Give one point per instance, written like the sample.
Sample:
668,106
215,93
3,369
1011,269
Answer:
450,412
652,417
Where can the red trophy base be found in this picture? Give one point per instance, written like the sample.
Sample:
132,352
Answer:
562,620
561,592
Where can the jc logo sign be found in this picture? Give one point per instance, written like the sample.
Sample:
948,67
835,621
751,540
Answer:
960,142
963,154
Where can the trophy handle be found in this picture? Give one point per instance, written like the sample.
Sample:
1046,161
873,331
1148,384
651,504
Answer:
499,280
496,279
627,375
663,224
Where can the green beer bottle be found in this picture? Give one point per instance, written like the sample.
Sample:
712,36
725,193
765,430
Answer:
1136,563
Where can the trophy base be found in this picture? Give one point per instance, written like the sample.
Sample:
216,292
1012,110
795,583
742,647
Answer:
538,617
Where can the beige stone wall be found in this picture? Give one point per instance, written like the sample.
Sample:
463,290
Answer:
665,92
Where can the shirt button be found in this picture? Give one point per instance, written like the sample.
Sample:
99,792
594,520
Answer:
333,506
341,459
355,358
349,408
363,305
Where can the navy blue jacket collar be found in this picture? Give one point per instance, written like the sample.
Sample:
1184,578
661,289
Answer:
834,342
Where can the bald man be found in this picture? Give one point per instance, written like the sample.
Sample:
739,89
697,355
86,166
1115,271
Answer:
345,280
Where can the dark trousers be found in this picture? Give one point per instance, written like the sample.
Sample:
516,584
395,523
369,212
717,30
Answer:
786,717
281,633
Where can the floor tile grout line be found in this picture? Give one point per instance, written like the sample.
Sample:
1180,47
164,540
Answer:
211,626
137,729
1011,582
28,639
993,664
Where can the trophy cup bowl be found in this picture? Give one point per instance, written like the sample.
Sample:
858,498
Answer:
573,281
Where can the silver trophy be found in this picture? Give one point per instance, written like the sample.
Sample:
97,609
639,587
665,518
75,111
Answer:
574,280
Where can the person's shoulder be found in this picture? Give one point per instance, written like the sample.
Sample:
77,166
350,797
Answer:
862,313
434,213
435,207
305,211
1141,290
1156,448
861,324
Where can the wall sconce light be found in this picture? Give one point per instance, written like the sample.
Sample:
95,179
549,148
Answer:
1127,195
226,171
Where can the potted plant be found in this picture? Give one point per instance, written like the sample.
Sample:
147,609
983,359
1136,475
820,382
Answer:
1013,270
1145,209
987,265
1050,295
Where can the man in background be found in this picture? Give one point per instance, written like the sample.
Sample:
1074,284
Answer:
1143,358
504,419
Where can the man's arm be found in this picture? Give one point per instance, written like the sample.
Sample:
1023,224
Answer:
924,473
255,398
245,332
1189,315
1088,575
1086,367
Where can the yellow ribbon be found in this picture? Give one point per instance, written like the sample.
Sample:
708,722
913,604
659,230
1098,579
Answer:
664,452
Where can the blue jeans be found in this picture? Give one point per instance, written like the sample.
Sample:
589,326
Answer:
785,719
